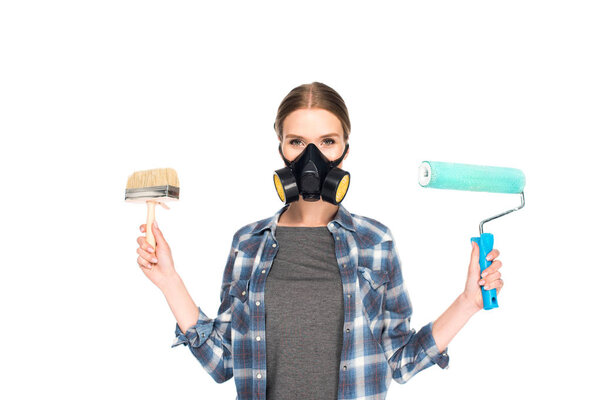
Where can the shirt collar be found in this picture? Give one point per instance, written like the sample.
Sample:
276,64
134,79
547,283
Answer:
343,217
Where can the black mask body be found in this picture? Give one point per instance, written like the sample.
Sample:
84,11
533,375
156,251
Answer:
312,175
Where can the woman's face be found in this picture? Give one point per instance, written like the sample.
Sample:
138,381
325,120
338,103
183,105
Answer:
315,125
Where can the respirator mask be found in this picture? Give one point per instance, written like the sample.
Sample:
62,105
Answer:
312,175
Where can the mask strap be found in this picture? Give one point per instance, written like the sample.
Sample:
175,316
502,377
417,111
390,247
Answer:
287,163
336,162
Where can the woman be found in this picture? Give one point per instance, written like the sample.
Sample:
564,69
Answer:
323,285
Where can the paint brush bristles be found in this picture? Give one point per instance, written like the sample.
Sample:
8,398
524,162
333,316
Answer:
153,177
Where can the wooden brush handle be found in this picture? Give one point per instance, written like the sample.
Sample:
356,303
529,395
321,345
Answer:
149,222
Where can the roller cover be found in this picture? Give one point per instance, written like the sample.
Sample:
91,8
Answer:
477,178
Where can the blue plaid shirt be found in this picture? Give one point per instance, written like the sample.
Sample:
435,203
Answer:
378,343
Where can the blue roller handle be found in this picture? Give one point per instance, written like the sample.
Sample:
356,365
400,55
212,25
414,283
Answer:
486,244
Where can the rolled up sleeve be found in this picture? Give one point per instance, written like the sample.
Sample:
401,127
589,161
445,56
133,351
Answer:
196,335
427,342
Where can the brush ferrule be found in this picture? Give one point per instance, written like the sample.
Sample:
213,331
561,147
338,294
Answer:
152,192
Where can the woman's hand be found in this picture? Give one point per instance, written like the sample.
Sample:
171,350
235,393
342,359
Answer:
490,278
157,264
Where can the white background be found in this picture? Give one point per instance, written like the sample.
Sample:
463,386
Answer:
92,91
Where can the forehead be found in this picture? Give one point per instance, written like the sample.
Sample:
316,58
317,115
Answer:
311,123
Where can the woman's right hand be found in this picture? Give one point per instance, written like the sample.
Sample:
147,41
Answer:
157,264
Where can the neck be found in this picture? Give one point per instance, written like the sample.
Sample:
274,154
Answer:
308,213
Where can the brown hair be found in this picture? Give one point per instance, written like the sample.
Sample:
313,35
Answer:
313,95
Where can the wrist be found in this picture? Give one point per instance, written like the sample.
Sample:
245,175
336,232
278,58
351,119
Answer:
467,305
170,282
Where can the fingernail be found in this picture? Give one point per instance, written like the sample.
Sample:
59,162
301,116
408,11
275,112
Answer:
488,257
154,260
486,287
150,249
155,224
484,274
472,244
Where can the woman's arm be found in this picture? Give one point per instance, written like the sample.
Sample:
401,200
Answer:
451,321
209,339
470,300
407,350
183,307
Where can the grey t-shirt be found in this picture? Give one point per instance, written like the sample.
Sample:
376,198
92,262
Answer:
304,316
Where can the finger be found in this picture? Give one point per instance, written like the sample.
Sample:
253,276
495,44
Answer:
143,227
492,268
146,255
475,254
495,285
149,247
143,263
489,279
157,233
492,254
144,244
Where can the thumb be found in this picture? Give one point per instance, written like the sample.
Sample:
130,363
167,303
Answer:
474,263
157,233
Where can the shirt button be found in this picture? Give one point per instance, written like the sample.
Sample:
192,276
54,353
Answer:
349,295
258,303
274,245
344,367
258,338
344,265
202,334
263,271
259,375
337,237
244,293
347,329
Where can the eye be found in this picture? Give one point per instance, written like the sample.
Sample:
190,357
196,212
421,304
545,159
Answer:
327,140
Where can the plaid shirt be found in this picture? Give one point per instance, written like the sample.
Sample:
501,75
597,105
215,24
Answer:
378,343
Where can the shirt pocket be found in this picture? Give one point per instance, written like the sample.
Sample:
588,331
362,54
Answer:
240,318
372,289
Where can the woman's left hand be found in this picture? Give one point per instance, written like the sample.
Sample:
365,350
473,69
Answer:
489,278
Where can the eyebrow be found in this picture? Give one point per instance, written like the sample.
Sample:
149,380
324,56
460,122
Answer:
291,135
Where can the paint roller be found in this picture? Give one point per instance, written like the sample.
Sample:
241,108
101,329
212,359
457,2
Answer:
478,178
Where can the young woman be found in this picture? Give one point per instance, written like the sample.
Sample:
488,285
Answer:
313,303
